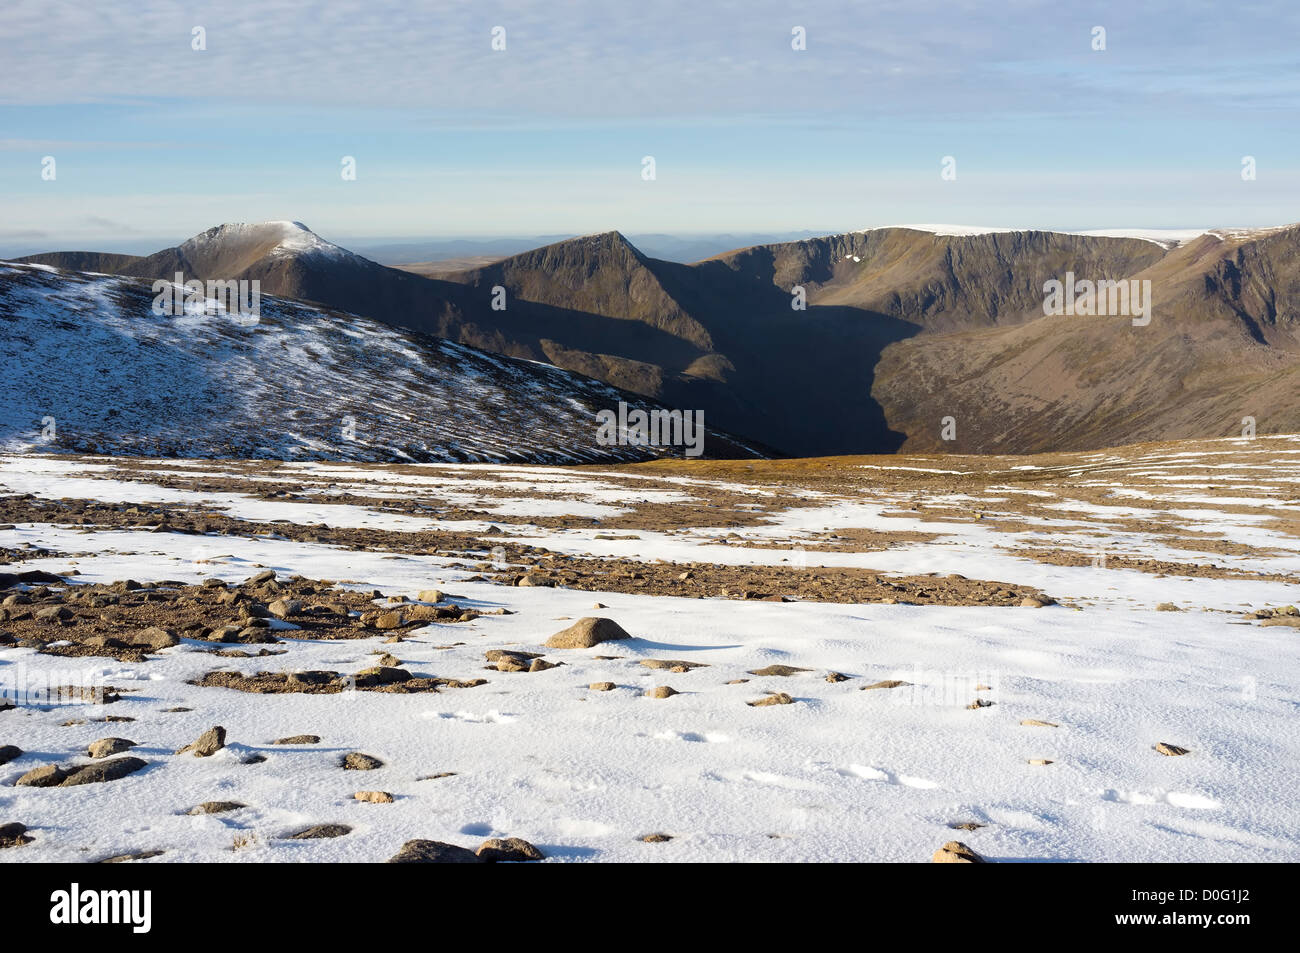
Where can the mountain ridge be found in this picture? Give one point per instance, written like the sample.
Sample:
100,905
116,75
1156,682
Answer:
899,320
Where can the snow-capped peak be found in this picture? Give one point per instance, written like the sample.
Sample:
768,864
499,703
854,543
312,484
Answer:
264,238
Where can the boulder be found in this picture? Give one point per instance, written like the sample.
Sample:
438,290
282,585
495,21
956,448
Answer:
955,852
46,776
586,632
155,638
101,771
318,831
508,850
207,744
109,746
434,852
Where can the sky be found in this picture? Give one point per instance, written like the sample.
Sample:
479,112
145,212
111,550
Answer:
154,141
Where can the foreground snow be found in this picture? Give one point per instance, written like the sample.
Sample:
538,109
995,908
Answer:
841,774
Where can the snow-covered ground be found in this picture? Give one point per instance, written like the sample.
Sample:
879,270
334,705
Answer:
840,774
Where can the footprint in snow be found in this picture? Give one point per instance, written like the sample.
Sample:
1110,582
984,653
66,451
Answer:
708,737
1183,799
876,774
492,717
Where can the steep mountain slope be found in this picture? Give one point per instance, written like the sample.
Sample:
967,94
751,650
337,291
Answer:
940,282
301,383
1222,345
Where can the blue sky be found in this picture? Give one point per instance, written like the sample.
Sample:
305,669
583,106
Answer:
155,141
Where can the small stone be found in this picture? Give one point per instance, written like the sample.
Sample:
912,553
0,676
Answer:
265,575
393,619
9,752
431,595
506,661
283,608
966,825
383,675
672,665
298,740
836,677
776,698
1029,602
541,665
887,683
955,852
319,831
601,686
127,858
156,638
662,691
310,678
207,744
14,835
374,797
1172,751
781,671
216,807
109,746
1167,607
508,850
980,703
657,838
356,761
46,776
1040,761
434,852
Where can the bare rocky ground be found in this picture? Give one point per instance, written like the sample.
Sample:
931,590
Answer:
198,587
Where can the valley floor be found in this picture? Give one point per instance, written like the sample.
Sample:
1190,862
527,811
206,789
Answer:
1045,623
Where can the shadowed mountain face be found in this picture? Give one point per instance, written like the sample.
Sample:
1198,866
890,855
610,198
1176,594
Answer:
902,329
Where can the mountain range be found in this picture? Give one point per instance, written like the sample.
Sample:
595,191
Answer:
914,338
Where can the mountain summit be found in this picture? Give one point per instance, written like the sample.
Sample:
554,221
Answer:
238,246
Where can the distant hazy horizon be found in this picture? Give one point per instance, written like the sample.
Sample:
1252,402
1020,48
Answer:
404,249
